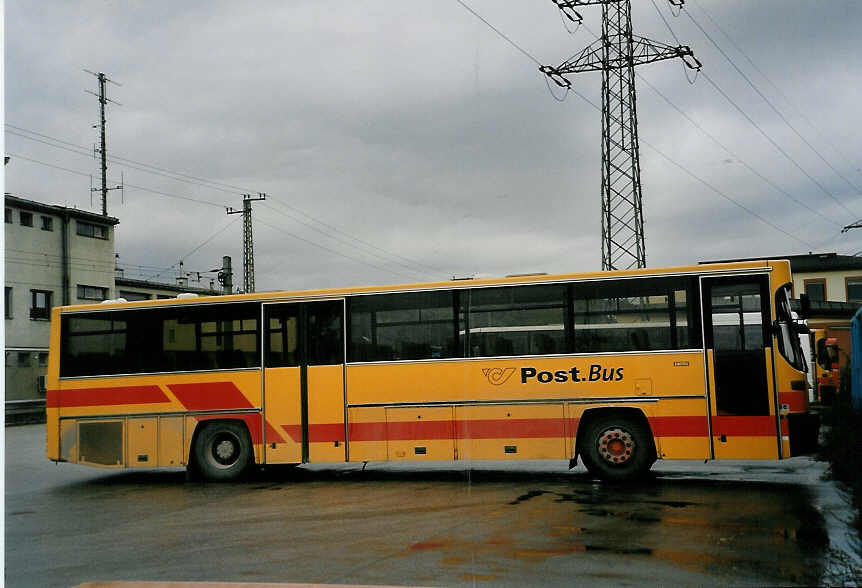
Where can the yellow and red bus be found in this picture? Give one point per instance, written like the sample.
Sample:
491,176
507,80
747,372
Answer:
617,368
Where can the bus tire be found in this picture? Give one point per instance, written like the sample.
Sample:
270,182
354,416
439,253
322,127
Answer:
222,450
617,447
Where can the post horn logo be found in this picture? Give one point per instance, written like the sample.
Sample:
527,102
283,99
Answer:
498,376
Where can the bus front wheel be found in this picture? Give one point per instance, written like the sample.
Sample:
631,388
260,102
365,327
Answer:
222,450
617,448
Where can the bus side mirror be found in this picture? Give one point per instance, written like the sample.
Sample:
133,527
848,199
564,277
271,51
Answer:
804,306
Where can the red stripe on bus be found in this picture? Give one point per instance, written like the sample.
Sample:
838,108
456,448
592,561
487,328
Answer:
682,426
510,428
797,400
210,396
679,426
273,436
744,426
368,431
465,429
319,433
105,396
221,396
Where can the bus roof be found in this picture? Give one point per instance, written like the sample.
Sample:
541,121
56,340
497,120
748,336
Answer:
449,284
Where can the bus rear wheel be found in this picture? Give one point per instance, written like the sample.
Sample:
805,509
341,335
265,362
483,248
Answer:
222,450
617,448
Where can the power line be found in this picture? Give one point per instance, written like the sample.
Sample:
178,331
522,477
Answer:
500,33
725,196
719,143
198,247
221,207
780,115
777,89
126,161
145,189
216,185
775,143
735,156
346,242
81,150
318,245
686,171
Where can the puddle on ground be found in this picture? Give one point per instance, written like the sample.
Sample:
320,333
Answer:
762,532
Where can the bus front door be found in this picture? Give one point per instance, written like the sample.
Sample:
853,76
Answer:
303,394
739,359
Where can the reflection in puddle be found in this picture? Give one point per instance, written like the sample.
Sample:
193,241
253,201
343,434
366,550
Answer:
762,532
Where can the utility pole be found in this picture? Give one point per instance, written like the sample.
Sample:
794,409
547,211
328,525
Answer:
103,99
616,54
247,240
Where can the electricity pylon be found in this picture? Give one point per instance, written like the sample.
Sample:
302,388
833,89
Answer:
247,240
616,54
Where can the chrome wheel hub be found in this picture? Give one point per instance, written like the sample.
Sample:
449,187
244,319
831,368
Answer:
225,450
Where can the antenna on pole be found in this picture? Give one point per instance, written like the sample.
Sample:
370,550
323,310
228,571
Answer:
247,239
103,100
616,54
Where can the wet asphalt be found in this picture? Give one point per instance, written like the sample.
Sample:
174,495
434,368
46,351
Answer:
488,524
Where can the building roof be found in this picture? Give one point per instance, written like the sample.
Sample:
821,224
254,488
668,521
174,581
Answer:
812,262
59,210
132,283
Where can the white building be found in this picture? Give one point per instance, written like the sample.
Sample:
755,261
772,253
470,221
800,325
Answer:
57,256
54,255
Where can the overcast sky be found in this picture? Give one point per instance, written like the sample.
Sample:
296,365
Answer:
404,141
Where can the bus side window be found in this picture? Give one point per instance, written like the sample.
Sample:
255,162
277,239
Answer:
513,320
325,343
282,337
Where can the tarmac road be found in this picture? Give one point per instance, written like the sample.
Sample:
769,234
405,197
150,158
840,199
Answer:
492,524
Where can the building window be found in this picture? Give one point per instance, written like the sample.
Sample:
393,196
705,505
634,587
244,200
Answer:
133,296
40,305
24,359
854,289
26,219
92,292
47,223
816,289
8,217
91,230
7,302
43,359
